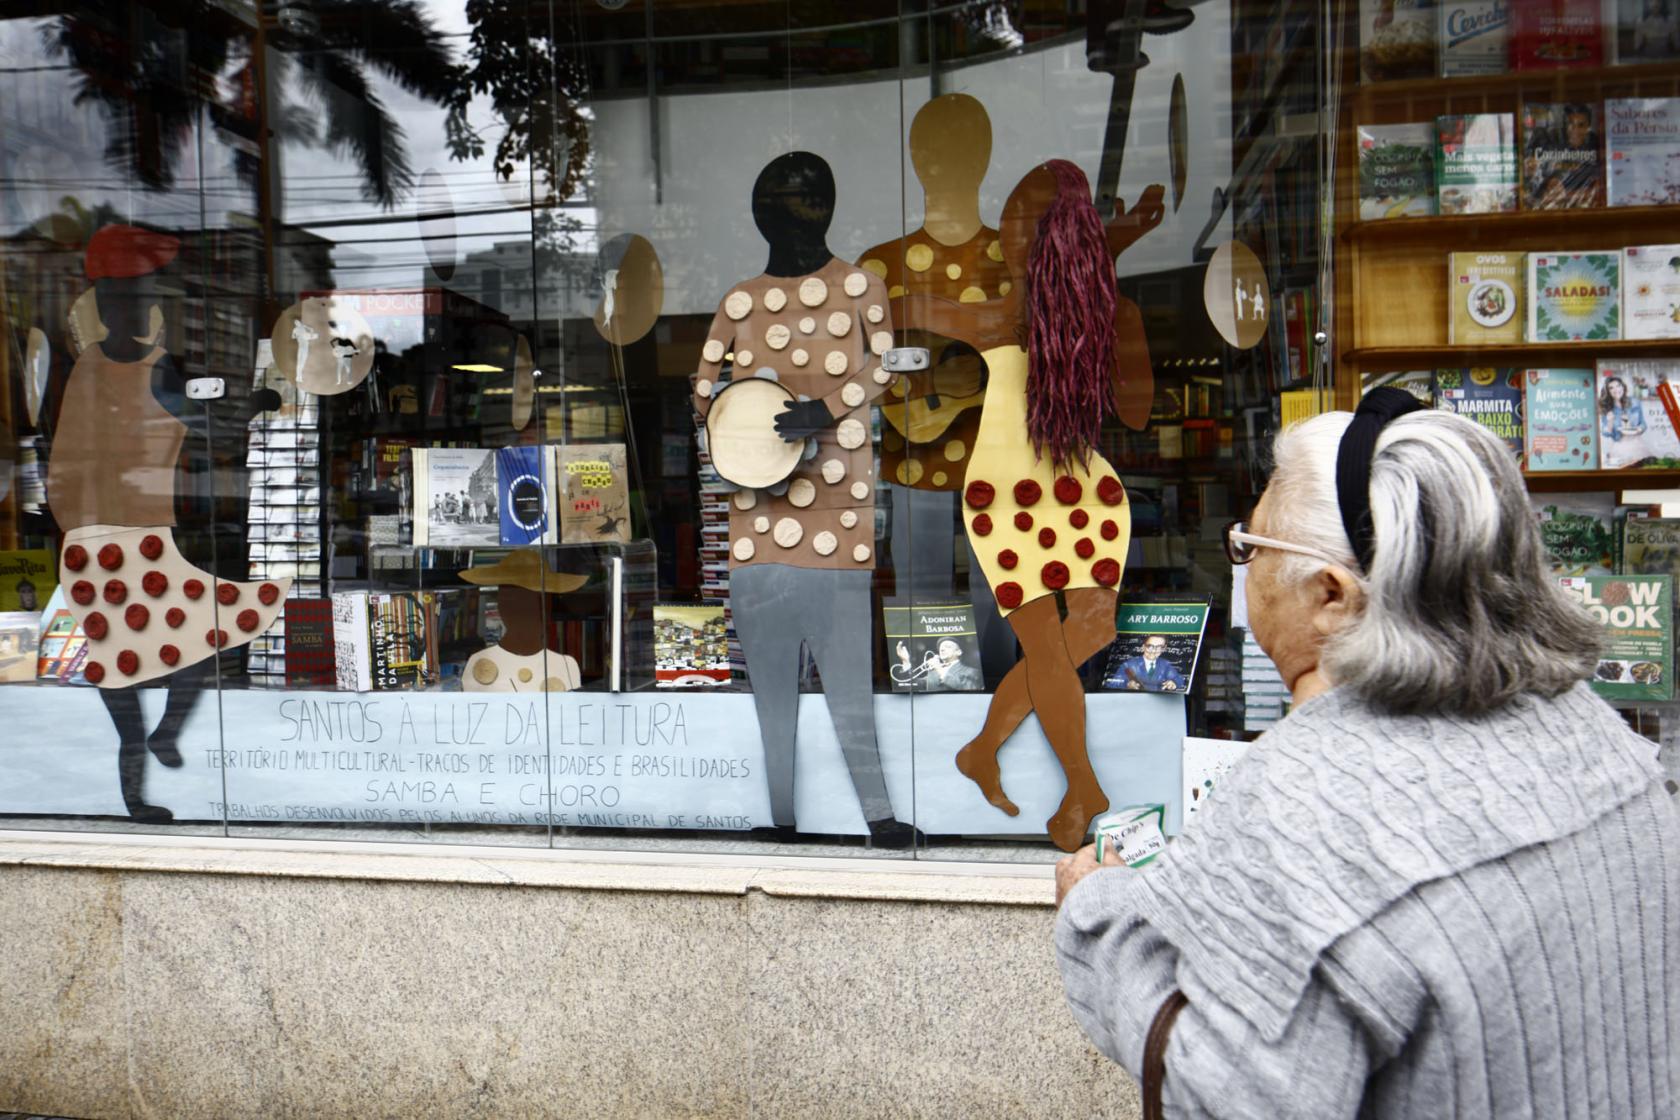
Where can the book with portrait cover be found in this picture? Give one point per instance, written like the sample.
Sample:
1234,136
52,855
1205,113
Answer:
1578,532
1574,297
1647,30
1642,142
28,577
1485,298
1492,397
1637,613
1560,419
1651,291
1635,429
1476,163
932,647
1156,646
1562,156
1396,170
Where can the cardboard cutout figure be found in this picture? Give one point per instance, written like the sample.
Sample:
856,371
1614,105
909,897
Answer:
1046,515
522,661
802,554
123,419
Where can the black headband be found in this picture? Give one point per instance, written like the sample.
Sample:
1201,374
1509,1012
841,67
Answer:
1353,464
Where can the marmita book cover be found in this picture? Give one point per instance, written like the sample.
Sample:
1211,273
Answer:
1491,397
1561,419
1476,163
1574,297
1396,170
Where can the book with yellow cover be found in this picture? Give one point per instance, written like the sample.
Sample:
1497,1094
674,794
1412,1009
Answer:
1485,298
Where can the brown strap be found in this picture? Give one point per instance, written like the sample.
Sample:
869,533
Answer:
1155,1053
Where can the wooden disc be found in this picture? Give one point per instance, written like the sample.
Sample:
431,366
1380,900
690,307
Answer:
329,325
1178,140
1233,288
741,433
524,385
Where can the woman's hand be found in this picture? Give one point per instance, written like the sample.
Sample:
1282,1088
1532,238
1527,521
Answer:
1071,869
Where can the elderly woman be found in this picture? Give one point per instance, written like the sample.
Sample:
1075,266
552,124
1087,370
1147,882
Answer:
1448,884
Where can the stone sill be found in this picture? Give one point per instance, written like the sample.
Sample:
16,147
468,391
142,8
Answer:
823,877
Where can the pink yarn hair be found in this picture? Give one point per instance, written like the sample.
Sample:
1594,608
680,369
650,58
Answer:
1070,303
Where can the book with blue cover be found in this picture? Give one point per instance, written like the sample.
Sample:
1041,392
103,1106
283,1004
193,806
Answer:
525,495
1561,419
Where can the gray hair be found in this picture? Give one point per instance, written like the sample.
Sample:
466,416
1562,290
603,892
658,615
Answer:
1460,613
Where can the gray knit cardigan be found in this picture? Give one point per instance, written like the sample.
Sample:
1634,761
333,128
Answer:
1386,916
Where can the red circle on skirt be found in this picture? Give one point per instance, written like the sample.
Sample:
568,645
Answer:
75,558
247,620
217,638
175,616
267,593
1027,492
982,524
1084,549
1007,558
1079,519
979,494
111,557
1110,530
1023,521
83,592
227,594
1110,491
1054,574
154,583
128,663
116,591
1009,595
1106,572
95,625
193,588
151,546
1047,537
169,655
1068,490
94,672
137,616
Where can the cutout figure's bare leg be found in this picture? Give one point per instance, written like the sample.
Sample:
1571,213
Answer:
1059,699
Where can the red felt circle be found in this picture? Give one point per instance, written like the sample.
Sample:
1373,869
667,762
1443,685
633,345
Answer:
982,524
1054,574
151,546
1047,537
193,588
1027,492
247,620
1110,530
1068,490
979,494
1007,559
137,616
1009,595
1023,521
227,594
1084,549
128,663
217,638
83,592
75,557
116,591
267,593
1110,492
111,557
174,617
94,672
154,583
1079,519
169,655
1106,572
95,625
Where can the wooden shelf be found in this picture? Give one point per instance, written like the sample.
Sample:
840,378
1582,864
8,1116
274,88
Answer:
1577,481
1578,79
1537,354
1527,225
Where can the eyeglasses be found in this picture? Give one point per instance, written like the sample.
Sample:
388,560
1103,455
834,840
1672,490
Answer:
1241,546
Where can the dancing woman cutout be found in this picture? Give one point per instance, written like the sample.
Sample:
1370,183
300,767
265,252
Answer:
1046,515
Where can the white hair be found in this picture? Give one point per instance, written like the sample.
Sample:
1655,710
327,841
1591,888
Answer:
1460,614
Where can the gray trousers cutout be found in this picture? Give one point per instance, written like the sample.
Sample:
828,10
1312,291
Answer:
777,608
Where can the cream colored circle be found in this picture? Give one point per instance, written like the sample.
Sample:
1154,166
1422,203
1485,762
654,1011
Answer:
919,258
848,519
909,472
799,357
971,294
1003,288
743,357
703,387
884,375
856,284
851,433
812,292
712,351
860,490
745,499
833,470
738,306
880,342
953,271
825,543
775,299
555,684
995,251
801,492
879,268
777,337
940,478
525,675
875,313
835,363
761,524
852,394
485,671
860,553
744,548
807,325
839,324
895,291
954,450
789,532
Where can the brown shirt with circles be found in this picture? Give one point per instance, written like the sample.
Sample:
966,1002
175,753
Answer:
822,336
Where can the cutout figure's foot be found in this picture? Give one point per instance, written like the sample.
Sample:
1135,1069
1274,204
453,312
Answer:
1073,820
163,749
149,814
980,766
893,833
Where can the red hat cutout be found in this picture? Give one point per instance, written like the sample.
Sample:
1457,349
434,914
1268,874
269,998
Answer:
124,252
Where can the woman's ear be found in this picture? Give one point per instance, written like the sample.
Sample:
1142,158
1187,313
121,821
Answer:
1337,599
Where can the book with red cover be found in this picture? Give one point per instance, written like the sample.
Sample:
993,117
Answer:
309,643
1554,34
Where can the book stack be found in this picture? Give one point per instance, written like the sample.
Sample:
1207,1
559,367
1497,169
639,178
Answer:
714,547
384,642
1265,696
